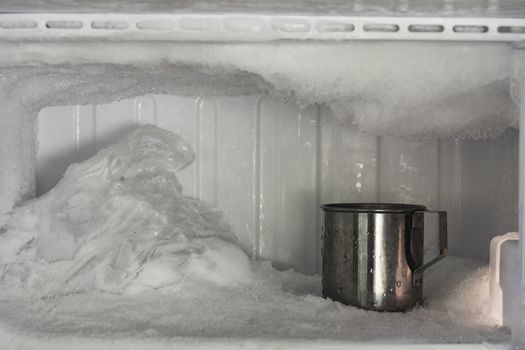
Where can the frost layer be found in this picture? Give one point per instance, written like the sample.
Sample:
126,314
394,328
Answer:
282,307
119,222
418,90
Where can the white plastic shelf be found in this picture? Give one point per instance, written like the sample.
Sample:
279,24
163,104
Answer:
246,27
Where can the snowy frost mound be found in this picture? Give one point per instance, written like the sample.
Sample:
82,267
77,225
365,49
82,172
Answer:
119,222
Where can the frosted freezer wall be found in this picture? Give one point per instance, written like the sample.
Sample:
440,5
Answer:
269,164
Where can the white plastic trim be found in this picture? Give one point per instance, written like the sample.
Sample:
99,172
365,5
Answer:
255,27
518,326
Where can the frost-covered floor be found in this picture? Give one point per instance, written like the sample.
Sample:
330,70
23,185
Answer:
279,306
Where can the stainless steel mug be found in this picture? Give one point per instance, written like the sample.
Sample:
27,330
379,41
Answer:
373,254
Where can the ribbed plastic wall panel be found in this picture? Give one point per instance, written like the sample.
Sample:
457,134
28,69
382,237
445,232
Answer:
269,165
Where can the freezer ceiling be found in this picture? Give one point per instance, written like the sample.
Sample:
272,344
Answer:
463,8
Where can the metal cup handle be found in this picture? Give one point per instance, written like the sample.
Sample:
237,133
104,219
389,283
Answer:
418,272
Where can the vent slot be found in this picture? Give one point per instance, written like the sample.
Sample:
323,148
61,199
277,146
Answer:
381,27
18,24
252,25
511,29
110,25
335,27
470,29
156,24
426,28
64,25
199,24
292,25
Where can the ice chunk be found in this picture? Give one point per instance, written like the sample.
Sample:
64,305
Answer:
119,221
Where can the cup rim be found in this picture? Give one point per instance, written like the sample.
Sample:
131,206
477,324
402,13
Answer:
372,207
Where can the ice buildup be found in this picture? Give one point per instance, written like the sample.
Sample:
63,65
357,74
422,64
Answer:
399,89
119,222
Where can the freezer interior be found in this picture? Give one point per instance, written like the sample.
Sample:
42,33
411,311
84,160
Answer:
163,193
